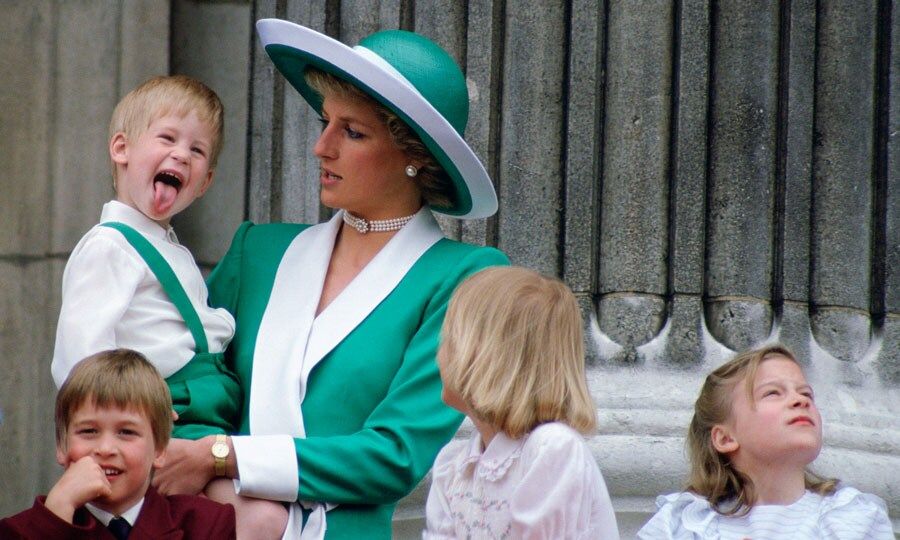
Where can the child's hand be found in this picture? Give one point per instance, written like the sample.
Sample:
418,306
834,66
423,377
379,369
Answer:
82,482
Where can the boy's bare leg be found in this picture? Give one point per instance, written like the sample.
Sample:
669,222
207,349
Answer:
257,519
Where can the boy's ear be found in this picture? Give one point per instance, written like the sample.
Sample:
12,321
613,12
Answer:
61,456
722,439
118,146
206,182
160,459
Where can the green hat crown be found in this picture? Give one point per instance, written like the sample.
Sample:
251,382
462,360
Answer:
428,68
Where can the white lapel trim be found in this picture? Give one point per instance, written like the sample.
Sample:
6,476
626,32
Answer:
284,330
370,287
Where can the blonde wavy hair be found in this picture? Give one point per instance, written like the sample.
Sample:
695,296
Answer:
168,94
514,351
433,182
119,378
712,475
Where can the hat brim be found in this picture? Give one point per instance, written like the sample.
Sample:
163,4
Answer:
293,48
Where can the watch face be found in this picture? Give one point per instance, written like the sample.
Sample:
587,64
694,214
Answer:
220,450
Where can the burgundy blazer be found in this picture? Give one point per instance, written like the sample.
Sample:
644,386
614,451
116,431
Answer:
176,517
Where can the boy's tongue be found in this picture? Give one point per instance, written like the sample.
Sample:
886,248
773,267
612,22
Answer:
163,196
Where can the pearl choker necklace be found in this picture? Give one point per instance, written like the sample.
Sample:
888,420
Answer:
376,225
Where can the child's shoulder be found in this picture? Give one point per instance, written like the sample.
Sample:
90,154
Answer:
553,436
682,513
855,514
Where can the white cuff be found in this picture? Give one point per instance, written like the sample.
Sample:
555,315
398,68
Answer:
267,467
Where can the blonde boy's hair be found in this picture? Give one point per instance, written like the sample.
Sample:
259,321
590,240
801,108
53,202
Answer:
514,351
712,474
119,378
164,95
434,183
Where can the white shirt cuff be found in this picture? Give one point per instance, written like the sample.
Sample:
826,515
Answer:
267,467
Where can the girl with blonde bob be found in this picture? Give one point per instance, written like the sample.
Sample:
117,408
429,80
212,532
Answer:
512,359
755,430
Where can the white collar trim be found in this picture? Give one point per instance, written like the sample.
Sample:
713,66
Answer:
117,211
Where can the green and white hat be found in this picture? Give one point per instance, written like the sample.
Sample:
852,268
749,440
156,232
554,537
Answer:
410,75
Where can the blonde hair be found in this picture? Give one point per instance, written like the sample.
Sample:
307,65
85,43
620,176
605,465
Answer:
164,95
515,353
712,475
119,378
432,180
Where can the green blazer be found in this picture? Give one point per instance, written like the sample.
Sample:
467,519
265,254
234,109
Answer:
357,387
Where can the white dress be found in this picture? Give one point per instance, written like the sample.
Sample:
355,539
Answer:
544,485
848,514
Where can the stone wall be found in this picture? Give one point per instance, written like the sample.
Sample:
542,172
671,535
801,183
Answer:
706,176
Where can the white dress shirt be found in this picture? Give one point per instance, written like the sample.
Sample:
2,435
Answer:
111,299
848,514
545,485
105,517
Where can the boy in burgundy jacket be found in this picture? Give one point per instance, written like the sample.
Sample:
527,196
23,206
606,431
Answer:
113,422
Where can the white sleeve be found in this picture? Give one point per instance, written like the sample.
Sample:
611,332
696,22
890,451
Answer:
438,520
562,493
99,283
267,467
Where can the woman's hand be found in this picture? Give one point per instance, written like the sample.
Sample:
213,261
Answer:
188,467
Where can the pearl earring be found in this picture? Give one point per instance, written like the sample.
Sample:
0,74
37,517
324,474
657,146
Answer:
411,171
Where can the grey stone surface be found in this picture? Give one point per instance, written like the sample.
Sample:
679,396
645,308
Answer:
26,390
631,320
445,24
145,35
742,145
842,160
842,166
299,173
683,346
794,330
266,109
739,322
359,18
888,366
892,206
206,227
483,69
26,63
531,149
843,332
585,99
797,150
687,192
85,81
634,213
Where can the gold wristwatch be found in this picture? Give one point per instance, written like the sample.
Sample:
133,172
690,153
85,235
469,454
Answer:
220,452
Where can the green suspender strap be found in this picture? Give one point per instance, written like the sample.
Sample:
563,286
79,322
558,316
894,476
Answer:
205,394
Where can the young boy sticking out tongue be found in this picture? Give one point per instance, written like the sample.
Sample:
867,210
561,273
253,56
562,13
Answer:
129,283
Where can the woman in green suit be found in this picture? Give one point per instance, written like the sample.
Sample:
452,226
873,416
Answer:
338,323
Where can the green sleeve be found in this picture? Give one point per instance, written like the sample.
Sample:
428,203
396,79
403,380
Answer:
399,440
225,279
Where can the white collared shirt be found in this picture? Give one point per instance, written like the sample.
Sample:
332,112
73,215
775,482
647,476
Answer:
105,517
545,485
111,299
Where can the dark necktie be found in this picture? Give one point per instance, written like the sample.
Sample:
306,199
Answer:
119,528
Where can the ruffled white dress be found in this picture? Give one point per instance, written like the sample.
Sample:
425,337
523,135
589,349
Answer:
848,514
545,485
